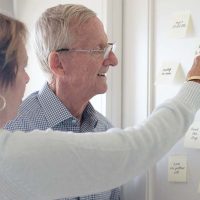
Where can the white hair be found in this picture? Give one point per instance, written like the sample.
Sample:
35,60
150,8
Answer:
53,30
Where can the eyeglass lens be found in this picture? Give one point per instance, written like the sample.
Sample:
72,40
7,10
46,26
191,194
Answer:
108,50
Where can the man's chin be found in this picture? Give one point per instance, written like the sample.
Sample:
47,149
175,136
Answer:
102,91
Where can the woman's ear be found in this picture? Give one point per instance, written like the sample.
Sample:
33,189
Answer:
55,64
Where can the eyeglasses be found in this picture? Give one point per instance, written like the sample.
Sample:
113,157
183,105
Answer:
105,51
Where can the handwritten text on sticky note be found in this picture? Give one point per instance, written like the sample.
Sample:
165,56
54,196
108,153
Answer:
192,137
180,24
168,73
177,169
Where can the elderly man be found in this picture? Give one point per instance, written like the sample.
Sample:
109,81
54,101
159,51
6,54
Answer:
73,50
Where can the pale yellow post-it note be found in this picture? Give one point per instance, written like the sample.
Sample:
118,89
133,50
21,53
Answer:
198,191
177,169
170,72
192,137
197,49
180,23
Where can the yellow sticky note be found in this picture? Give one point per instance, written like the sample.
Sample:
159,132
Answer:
177,168
198,191
192,137
180,23
170,72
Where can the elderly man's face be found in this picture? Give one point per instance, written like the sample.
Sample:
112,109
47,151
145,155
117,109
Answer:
85,71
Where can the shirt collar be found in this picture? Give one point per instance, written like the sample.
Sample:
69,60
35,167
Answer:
53,108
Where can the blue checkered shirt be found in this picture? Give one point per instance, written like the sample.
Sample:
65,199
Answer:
43,110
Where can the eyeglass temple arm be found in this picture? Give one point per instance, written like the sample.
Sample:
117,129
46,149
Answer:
63,49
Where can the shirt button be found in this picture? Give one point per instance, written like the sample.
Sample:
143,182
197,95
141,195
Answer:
73,121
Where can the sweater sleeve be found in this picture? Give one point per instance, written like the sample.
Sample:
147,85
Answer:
52,165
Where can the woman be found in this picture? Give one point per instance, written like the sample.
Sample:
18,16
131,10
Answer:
51,165
13,77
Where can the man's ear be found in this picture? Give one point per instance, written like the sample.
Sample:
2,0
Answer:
55,64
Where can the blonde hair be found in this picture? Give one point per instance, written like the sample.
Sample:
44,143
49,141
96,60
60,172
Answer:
53,30
12,33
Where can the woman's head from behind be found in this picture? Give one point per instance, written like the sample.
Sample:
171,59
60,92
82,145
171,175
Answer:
13,59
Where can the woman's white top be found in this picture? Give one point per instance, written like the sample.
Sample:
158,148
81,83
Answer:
50,165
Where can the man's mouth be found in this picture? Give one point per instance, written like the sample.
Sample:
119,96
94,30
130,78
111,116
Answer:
101,74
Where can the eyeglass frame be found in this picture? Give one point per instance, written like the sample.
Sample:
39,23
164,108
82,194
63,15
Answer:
110,47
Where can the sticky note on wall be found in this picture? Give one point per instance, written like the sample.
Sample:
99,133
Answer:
170,73
177,168
192,137
198,191
180,24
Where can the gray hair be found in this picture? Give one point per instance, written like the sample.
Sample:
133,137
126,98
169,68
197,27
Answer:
53,30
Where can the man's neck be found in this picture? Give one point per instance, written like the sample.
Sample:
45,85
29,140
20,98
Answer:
75,102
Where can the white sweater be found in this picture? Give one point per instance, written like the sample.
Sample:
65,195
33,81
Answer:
46,165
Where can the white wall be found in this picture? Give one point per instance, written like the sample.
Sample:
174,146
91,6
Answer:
114,93
6,7
135,60
135,79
